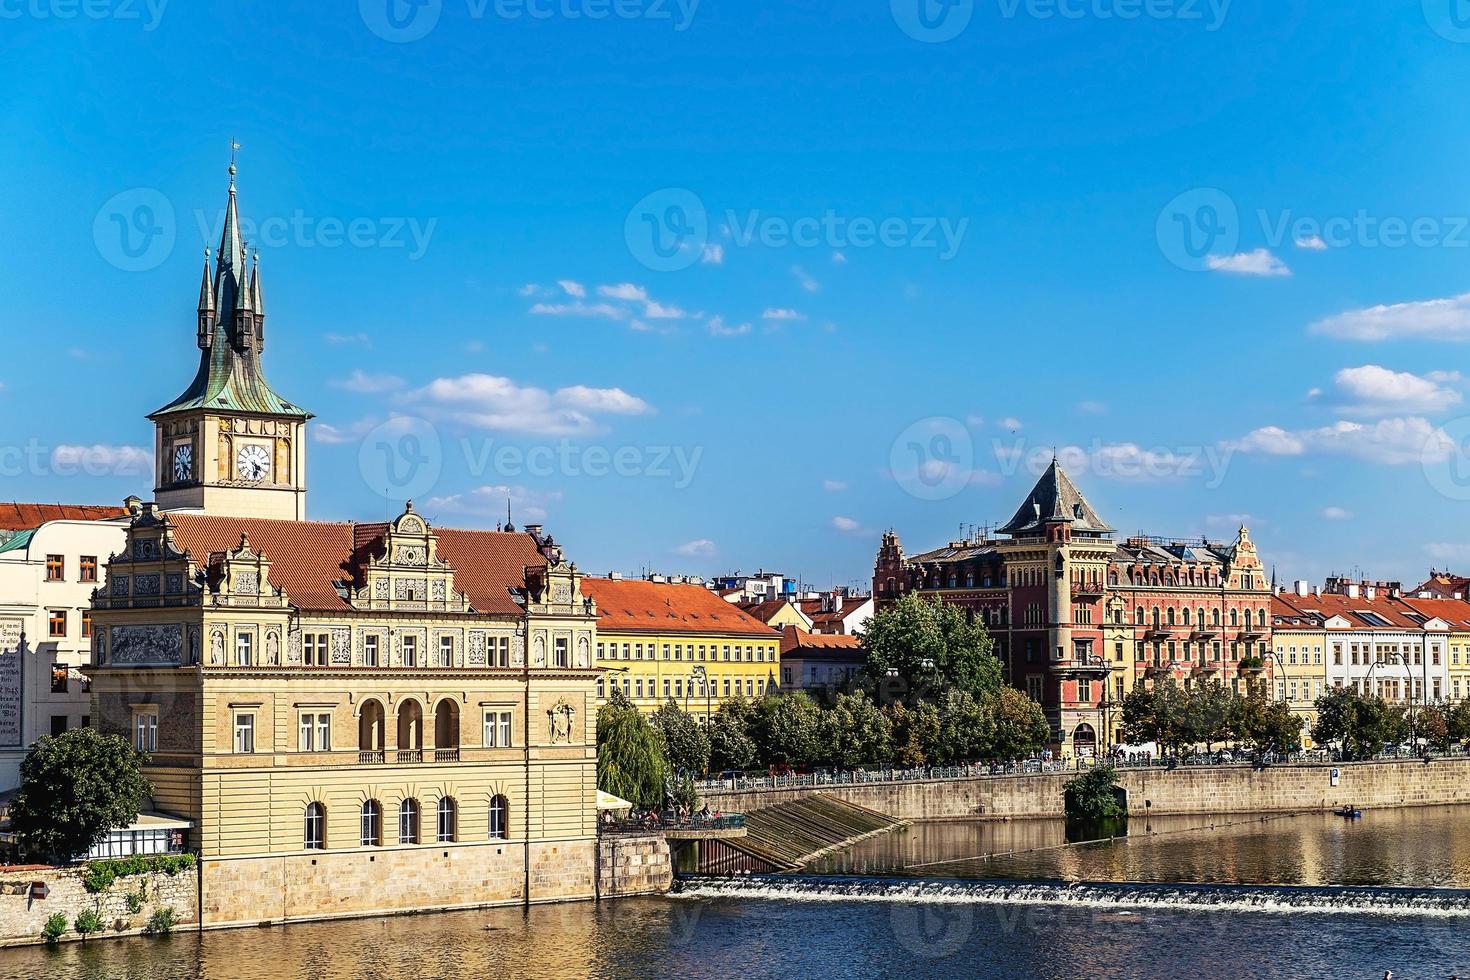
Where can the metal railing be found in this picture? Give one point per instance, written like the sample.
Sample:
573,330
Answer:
652,823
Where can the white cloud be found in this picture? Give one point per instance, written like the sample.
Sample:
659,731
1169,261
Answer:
369,384
101,460
490,501
1389,441
1233,521
573,289
975,421
804,279
1375,390
1312,243
345,339
839,258
1336,513
713,254
698,548
1435,319
485,401
1258,263
847,525
718,328
1009,422
332,435
1448,552
1092,408
1126,461
625,291
782,314
657,311
579,308
833,486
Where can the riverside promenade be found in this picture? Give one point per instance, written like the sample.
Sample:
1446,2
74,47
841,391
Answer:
1236,788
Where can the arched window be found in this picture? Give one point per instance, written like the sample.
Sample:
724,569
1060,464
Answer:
447,820
315,838
1171,616
499,818
1234,617
1138,615
410,732
1185,613
370,732
372,824
408,822
446,731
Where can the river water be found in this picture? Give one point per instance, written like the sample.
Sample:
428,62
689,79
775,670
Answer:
1309,896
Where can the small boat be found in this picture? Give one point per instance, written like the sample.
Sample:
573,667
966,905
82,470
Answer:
1350,813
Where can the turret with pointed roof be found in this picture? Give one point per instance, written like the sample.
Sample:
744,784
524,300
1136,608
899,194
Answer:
1056,500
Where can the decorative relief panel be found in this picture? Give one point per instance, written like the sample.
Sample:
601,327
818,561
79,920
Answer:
477,649
561,593
518,651
293,647
247,583
380,589
120,585
147,645
174,583
437,590
145,585
413,555
341,646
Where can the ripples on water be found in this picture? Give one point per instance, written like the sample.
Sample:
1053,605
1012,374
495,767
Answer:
1091,932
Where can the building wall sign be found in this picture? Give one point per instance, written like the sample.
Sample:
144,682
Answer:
12,687
134,646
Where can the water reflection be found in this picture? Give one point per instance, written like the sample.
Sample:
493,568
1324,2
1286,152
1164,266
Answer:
1421,847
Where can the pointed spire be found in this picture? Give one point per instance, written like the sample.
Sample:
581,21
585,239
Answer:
509,527
256,302
206,305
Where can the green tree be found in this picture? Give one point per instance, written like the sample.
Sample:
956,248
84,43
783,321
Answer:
1091,796
630,754
1459,721
966,726
1209,713
1157,714
686,743
915,733
786,729
1360,724
1432,724
731,746
1019,726
74,788
856,732
931,645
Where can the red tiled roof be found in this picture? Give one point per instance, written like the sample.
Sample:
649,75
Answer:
308,558
1456,612
1329,604
668,608
27,517
831,617
1445,584
795,640
763,610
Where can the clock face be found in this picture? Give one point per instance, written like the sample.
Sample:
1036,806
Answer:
253,463
183,463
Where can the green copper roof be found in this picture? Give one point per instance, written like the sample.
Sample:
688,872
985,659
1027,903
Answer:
231,380
17,542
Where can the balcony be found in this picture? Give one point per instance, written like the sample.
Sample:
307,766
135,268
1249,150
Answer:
410,755
369,758
446,755
1086,590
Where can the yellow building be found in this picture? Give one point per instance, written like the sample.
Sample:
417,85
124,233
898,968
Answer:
777,613
1299,641
355,718
660,641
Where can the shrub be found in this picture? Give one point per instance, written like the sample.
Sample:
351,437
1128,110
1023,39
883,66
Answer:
54,928
135,900
100,875
1090,796
161,922
88,922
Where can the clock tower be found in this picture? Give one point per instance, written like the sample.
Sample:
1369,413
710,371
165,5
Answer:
229,445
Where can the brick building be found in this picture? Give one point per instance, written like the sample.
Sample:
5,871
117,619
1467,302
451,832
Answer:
1080,617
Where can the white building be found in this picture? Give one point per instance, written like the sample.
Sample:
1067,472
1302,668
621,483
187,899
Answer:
50,561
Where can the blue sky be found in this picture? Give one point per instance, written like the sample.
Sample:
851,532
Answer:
770,401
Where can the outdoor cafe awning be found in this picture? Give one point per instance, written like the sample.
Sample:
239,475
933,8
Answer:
606,801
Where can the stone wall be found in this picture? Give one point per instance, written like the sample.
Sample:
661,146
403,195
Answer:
635,866
21,917
1187,790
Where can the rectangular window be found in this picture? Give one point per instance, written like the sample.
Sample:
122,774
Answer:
57,624
370,651
244,733
666,687
1084,691
638,687
410,651
244,649
679,687
59,675
497,729
727,687
55,568
145,731
503,658
86,624
58,725
601,689
89,568
1033,688
314,649
446,651
561,652
316,732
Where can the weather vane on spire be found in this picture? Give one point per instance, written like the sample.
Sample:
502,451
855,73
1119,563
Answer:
234,147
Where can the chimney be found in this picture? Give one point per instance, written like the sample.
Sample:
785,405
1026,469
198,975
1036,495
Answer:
1371,592
1302,587
133,505
1352,590
614,576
